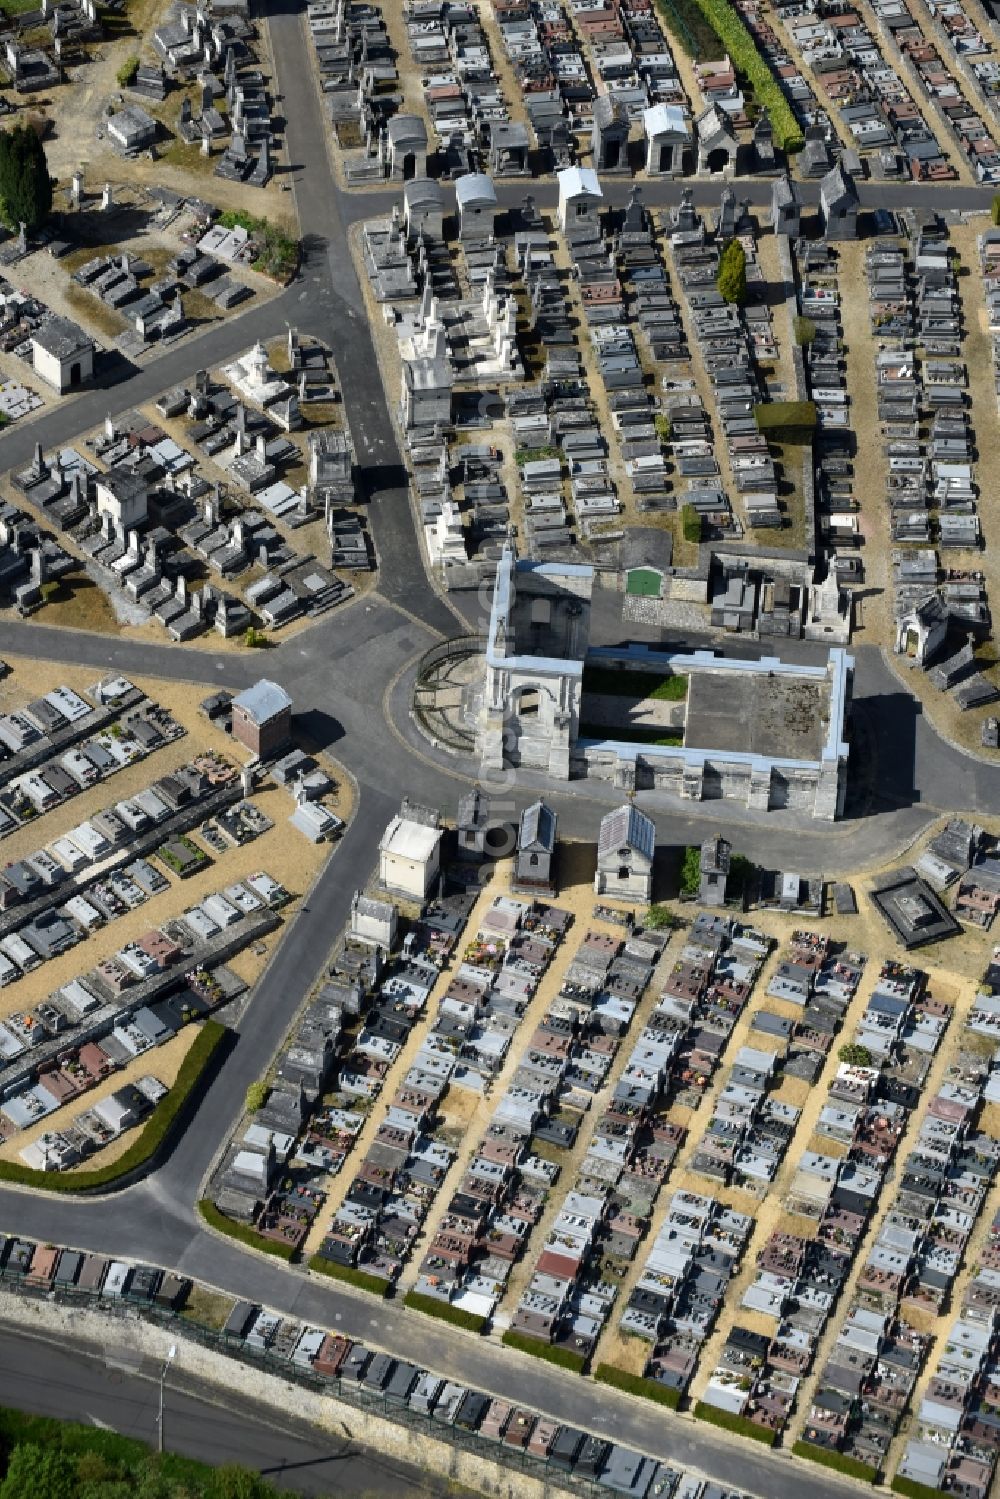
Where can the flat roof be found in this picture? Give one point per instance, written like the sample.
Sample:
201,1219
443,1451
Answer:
776,717
835,674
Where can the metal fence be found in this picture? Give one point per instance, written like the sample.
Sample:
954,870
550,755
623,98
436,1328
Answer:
132,1309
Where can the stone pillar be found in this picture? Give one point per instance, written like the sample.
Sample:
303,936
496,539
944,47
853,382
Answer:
692,783
759,789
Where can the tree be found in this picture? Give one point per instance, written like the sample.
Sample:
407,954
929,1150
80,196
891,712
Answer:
855,1055
25,184
691,871
257,1095
731,277
35,1472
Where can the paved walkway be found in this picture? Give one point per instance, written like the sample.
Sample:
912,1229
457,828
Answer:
337,673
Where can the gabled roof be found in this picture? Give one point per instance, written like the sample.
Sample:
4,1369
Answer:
837,187
61,338
665,119
575,182
627,827
538,828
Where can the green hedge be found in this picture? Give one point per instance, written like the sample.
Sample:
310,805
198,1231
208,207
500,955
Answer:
785,416
564,1357
739,1424
838,1461
148,1140
914,1490
432,1307
242,1232
374,1284
635,1384
746,59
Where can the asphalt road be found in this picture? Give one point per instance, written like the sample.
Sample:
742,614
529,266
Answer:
115,1391
340,674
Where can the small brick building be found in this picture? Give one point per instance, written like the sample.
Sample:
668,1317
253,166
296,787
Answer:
262,718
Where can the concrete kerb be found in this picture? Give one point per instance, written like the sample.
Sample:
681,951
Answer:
325,1411
601,795
286,936
892,662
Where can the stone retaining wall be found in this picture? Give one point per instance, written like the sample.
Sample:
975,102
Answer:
125,1332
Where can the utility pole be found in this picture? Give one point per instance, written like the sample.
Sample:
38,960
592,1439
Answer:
171,1355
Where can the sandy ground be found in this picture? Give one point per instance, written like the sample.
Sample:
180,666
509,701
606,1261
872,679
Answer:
937,34
873,619
77,109
163,1063
128,227
703,385
79,603
874,615
927,107
286,854
953,969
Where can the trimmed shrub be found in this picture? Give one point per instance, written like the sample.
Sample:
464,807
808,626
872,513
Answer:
431,1307
636,1384
243,1233
351,1276
256,1097
909,1486
803,330
995,216
658,918
855,1055
838,1461
785,418
738,1424
564,1357
148,1141
126,73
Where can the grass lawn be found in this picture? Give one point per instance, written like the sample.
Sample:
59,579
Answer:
611,681
631,735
